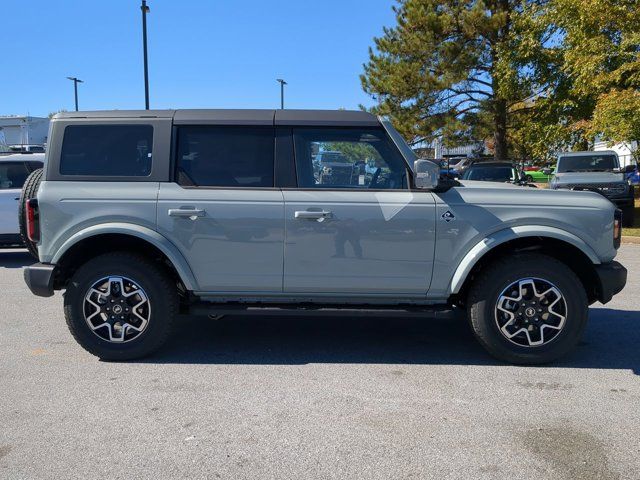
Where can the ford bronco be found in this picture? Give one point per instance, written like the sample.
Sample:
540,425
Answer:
142,216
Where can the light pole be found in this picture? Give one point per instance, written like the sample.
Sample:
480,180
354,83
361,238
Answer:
75,88
282,84
145,9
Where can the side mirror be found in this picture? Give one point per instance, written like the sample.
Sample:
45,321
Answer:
427,174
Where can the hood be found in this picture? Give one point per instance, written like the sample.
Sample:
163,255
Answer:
576,178
478,192
483,184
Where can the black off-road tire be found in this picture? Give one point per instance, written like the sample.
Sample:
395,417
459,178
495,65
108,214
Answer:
491,282
29,190
161,291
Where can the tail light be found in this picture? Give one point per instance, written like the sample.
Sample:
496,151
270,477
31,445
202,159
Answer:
33,220
617,228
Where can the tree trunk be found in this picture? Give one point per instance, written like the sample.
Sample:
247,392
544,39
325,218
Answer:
500,147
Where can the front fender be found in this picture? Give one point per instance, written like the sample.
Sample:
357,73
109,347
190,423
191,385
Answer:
488,243
144,233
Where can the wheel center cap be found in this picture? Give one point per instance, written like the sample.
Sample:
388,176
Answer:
117,309
529,311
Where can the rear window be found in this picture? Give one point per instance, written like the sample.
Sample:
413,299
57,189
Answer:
107,150
210,156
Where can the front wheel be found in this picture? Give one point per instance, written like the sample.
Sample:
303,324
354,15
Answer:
121,306
528,309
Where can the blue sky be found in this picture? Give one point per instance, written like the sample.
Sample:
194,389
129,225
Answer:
207,54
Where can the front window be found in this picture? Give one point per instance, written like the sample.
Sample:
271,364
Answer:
348,158
587,163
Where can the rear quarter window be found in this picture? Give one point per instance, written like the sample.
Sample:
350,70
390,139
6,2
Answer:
107,150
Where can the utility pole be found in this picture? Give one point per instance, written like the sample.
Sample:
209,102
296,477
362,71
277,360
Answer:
75,88
282,84
145,9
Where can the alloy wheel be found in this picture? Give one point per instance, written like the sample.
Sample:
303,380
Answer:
117,309
531,312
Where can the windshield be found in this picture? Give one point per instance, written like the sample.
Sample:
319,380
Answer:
489,174
409,155
587,163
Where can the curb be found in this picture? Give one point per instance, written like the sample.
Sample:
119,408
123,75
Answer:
630,239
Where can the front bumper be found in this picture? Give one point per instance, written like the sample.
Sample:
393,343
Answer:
39,278
612,278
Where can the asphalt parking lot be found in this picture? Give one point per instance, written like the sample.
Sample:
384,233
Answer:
315,398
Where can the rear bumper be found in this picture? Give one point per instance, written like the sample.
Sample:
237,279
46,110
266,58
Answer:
612,277
39,278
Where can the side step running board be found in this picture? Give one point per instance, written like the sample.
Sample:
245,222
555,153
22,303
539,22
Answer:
219,309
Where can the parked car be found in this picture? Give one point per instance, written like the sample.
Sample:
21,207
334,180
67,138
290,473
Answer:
446,170
599,172
495,172
20,148
14,170
137,215
538,174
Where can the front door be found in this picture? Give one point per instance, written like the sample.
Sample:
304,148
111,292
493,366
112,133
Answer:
223,211
353,227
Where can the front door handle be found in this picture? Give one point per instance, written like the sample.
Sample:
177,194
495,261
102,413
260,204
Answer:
313,215
186,212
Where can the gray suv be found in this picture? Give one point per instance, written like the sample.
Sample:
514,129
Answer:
599,172
142,216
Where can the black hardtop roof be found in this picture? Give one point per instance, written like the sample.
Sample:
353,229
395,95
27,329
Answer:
324,118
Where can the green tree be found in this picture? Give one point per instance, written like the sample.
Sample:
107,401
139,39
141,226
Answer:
460,68
617,118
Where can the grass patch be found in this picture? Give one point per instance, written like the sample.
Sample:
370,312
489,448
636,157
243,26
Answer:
635,230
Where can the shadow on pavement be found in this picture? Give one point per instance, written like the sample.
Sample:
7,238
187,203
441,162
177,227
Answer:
15,258
611,341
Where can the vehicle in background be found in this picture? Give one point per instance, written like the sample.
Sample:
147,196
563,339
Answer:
538,174
634,177
598,172
505,172
26,148
14,170
461,164
446,170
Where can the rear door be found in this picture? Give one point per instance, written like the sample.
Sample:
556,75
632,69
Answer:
222,209
12,177
353,227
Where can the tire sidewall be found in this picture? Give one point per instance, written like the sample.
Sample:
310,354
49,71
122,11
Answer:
159,300
577,313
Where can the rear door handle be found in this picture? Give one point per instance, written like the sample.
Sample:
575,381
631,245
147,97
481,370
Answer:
313,215
186,212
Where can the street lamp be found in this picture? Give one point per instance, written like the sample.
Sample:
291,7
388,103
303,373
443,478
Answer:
75,88
282,84
145,9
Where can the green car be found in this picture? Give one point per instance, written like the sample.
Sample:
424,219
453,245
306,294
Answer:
538,176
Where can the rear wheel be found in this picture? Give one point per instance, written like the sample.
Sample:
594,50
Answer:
528,178
528,309
29,191
121,306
